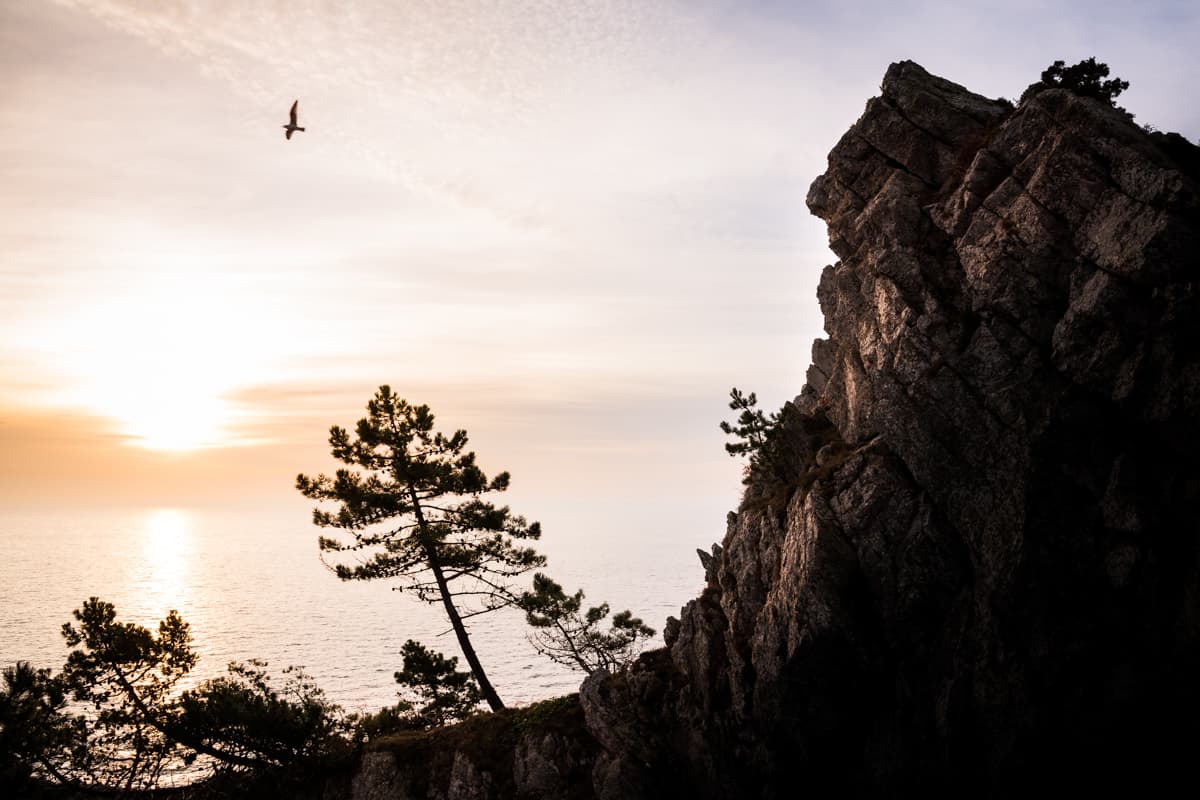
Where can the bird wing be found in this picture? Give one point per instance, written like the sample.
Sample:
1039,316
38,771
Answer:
287,134
293,112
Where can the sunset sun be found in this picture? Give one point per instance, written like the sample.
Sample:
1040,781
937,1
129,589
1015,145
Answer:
161,357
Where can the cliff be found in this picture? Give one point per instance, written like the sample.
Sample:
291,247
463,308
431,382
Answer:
988,576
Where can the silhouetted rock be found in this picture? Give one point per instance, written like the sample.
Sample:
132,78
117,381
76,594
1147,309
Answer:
709,561
987,580
541,751
990,575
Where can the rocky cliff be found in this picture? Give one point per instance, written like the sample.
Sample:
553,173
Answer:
989,573
986,573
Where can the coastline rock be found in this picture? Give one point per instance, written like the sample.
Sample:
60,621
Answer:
540,751
985,581
988,578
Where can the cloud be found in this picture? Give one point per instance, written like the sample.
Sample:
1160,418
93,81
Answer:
543,115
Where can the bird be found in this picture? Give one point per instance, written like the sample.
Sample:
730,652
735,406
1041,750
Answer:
291,127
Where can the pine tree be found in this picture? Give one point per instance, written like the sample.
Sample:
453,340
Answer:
126,675
130,721
33,730
1085,79
445,694
763,439
415,504
568,635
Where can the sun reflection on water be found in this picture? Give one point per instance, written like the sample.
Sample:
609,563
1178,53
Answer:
167,535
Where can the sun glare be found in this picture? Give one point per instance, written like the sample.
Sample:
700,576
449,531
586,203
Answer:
171,421
163,354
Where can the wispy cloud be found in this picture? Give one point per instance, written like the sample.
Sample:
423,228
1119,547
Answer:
540,114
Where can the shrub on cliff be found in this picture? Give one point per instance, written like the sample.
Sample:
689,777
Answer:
244,713
1085,79
567,634
32,727
766,441
433,685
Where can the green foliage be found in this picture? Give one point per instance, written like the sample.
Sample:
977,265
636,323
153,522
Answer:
433,682
131,721
125,675
32,728
765,440
568,635
753,427
246,717
1085,79
546,715
412,507
385,721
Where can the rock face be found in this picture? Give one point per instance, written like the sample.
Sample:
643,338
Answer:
541,752
989,575
985,581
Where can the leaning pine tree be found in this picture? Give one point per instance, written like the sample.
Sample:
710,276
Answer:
413,503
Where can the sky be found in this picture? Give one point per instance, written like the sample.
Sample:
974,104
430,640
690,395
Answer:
569,227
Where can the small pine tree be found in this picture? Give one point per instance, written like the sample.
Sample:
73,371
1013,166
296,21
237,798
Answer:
126,675
567,635
130,723
763,439
1085,79
33,731
442,693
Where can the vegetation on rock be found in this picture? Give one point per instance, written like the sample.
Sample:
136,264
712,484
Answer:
444,694
245,715
568,635
765,440
1085,79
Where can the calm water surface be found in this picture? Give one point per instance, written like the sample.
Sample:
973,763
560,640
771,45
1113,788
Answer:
251,586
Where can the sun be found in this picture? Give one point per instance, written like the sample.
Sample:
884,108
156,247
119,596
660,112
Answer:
163,357
172,416
163,368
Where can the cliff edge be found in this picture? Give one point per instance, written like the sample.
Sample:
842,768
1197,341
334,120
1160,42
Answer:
988,577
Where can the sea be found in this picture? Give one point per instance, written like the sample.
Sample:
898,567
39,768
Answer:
251,584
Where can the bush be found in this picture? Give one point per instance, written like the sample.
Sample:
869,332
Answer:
433,681
131,723
768,442
386,721
245,715
567,634
1085,79
32,729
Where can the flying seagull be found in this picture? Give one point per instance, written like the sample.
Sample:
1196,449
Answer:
291,127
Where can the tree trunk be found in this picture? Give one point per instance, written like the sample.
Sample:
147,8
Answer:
460,630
